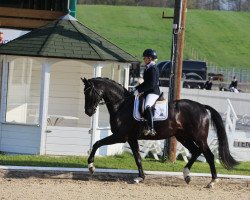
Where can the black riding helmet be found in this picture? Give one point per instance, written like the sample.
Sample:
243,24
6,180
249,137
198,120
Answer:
150,53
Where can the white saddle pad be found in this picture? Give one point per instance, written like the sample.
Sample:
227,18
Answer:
160,114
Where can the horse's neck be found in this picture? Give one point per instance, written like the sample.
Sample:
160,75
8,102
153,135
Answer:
114,100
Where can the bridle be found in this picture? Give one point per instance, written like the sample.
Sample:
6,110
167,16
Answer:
92,89
101,101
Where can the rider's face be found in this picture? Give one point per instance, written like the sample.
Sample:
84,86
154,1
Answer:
146,60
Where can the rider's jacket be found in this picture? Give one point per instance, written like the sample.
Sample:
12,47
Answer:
151,81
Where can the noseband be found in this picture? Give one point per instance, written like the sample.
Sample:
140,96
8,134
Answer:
93,90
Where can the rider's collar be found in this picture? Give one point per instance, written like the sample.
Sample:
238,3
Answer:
152,63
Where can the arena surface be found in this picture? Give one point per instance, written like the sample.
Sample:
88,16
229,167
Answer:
43,185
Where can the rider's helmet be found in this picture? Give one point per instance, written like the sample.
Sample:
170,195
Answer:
150,53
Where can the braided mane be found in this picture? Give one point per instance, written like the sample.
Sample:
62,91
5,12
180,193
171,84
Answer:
117,86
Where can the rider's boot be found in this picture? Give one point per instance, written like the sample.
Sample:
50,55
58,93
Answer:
149,118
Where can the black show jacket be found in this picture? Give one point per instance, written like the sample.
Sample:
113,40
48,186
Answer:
151,82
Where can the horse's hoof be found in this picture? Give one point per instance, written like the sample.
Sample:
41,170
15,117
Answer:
210,186
188,179
91,168
212,183
186,176
138,179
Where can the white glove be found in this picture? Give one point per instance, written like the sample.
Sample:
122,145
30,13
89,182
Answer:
136,93
133,89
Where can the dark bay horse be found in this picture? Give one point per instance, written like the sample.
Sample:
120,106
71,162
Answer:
187,120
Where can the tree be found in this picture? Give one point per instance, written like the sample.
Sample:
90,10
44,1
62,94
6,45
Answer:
246,5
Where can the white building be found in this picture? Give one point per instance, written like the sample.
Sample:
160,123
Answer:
42,99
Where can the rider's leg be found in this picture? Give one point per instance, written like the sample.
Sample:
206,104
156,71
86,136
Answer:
150,121
149,102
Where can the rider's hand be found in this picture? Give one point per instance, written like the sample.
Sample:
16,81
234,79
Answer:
136,93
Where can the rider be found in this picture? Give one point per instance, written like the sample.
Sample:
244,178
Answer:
208,85
233,85
150,87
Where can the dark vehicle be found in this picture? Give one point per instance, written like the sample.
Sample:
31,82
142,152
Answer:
194,73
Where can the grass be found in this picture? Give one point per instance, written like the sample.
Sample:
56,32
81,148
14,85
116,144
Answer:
219,37
124,161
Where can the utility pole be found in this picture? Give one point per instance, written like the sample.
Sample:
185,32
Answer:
169,152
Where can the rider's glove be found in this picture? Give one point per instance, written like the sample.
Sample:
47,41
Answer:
136,93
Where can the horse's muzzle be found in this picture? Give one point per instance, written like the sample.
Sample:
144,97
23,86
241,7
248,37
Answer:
90,112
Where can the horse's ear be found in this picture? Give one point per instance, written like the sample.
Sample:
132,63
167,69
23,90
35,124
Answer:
85,81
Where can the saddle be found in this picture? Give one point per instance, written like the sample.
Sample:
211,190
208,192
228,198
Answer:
160,108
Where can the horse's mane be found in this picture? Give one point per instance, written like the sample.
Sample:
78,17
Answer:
116,86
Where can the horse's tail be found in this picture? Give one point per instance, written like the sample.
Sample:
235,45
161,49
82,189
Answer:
224,155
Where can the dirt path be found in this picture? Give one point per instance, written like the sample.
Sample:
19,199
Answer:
20,188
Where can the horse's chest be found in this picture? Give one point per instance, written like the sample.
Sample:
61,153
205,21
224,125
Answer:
116,122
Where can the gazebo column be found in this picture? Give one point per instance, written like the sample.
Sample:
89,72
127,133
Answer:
95,118
4,88
126,80
44,99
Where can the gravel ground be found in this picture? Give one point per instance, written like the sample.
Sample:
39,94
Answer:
41,186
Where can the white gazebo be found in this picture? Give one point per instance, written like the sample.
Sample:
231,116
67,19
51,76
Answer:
42,100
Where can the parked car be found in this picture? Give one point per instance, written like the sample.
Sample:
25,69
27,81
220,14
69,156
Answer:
194,73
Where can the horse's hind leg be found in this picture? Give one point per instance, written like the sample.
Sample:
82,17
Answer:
112,139
135,149
195,152
210,159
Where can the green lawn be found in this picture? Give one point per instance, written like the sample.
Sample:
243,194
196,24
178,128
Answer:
124,161
219,37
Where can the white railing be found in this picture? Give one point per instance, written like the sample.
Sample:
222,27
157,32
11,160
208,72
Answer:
231,118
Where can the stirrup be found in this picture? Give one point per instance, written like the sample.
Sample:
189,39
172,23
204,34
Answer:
146,132
150,132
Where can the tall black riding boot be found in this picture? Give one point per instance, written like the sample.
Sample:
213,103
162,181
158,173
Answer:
149,118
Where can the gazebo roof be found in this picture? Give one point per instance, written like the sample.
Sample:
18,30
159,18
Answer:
66,38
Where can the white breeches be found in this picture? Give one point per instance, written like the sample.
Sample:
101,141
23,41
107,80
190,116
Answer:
150,100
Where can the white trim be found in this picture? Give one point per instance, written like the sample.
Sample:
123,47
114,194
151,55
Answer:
113,71
98,70
2,59
44,99
119,74
95,118
4,89
21,124
126,79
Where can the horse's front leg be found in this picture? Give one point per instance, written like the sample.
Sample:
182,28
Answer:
135,149
112,139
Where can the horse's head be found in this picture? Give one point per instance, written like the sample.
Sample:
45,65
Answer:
92,97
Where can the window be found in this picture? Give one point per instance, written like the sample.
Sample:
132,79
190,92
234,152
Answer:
115,72
53,5
23,96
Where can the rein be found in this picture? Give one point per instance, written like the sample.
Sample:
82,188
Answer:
102,102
